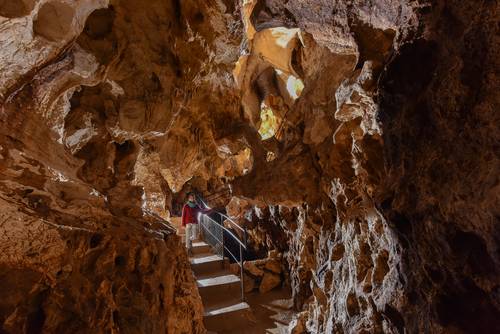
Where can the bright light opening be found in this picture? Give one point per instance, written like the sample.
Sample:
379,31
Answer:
294,86
269,122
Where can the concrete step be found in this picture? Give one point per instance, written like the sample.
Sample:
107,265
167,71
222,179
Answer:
200,247
206,263
213,274
192,242
183,238
219,289
228,317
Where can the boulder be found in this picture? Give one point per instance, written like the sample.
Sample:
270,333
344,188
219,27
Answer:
274,254
248,283
234,268
251,268
274,266
269,282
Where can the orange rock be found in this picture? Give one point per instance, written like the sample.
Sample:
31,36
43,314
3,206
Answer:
269,282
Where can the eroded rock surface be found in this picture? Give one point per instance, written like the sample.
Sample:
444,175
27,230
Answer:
356,138
88,99
376,178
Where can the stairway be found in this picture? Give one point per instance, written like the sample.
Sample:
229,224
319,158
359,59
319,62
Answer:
219,289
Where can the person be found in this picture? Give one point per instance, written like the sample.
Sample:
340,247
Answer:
190,213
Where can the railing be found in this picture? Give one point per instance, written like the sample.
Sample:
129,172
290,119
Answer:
214,233
229,219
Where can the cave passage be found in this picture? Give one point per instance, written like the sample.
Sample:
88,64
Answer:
341,158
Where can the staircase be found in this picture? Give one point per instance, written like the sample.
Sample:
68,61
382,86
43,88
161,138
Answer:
219,289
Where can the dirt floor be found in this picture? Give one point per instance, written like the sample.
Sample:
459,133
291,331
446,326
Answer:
273,312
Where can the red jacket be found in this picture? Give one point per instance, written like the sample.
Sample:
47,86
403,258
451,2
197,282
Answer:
190,215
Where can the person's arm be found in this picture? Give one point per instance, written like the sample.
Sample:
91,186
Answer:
207,211
184,217
204,210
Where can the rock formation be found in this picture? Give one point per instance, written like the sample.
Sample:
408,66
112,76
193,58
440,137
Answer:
88,160
356,138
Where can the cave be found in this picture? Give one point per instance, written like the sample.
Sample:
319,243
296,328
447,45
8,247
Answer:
249,166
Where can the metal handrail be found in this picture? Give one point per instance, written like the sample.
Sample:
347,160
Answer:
231,221
224,247
215,237
228,231
223,215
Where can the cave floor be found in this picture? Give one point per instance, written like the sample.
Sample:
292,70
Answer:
225,313
273,311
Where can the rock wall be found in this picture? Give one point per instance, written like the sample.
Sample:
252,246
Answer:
73,276
383,186
441,187
100,103
344,258
357,138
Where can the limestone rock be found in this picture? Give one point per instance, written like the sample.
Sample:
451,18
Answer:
355,141
269,282
274,254
251,268
234,268
273,266
86,107
297,325
249,283
355,242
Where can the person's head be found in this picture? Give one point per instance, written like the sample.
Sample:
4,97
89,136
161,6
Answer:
191,197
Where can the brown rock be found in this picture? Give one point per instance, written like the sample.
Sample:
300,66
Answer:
273,265
251,268
376,190
249,283
298,325
274,254
234,268
269,282
260,263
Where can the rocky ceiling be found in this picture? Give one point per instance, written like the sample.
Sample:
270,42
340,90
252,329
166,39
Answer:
359,138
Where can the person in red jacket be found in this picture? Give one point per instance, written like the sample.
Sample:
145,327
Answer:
190,214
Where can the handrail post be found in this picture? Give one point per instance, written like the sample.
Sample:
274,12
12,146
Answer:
242,244
241,275
223,247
